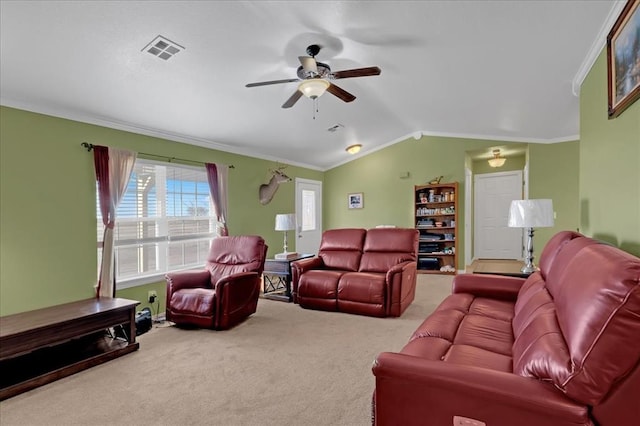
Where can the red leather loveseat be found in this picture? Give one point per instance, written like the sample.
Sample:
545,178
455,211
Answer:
559,348
360,272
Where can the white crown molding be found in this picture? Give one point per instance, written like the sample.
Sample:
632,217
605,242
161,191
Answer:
422,133
597,46
129,127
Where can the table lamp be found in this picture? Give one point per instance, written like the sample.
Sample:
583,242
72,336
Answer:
286,222
530,214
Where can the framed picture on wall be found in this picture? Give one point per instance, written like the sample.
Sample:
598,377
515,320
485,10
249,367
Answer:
623,59
356,200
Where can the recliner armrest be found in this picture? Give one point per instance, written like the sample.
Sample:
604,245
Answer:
233,293
411,389
484,285
187,279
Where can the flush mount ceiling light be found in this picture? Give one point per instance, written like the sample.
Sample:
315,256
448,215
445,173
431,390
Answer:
163,48
314,87
354,149
497,161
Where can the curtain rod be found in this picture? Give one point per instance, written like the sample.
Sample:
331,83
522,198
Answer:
89,147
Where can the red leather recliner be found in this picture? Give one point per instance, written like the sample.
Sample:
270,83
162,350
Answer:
225,292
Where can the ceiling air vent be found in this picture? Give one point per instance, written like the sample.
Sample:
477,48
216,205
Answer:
335,128
163,48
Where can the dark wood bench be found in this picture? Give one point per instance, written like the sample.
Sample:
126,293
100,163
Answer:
40,346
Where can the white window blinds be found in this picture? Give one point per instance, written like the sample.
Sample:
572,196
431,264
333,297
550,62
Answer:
165,221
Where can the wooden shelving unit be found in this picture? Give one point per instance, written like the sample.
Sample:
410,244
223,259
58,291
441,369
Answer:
436,217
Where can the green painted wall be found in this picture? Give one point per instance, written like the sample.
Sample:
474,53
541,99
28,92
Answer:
388,195
609,165
553,173
47,200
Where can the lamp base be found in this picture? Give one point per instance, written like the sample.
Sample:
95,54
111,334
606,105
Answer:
528,269
288,255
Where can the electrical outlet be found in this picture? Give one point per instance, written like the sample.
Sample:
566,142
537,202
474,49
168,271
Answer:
152,295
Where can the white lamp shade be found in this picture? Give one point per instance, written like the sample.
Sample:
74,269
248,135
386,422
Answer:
531,213
285,222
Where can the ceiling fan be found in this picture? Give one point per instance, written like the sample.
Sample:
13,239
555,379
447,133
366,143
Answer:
314,79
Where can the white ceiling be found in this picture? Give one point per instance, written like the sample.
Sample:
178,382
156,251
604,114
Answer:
500,70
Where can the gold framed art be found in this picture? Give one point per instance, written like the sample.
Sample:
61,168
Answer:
623,59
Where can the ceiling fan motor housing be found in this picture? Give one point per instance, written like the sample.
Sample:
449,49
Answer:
324,71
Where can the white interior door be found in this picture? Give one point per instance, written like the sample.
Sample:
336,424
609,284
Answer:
308,215
493,193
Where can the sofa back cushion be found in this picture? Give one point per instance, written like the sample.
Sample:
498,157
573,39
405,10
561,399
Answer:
553,247
387,247
230,255
595,293
598,305
342,248
539,349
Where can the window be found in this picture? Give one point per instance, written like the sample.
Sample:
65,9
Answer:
308,210
165,222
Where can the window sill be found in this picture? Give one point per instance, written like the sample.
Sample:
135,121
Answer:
147,279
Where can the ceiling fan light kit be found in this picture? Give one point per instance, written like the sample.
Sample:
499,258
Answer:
497,161
313,88
354,149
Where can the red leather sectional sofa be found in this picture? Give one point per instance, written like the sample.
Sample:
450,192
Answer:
559,348
367,272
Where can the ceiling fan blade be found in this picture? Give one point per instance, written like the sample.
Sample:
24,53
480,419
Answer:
340,93
292,100
309,64
266,83
357,72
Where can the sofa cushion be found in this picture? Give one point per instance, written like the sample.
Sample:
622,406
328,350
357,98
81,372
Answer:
598,307
466,330
342,248
386,247
193,301
318,289
539,349
553,247
364,287
579,327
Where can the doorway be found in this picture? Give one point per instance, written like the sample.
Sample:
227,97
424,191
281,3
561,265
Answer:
308,215
493,193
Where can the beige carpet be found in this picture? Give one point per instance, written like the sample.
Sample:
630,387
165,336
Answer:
283,366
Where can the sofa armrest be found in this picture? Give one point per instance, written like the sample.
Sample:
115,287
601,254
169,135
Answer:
298,268
187,279
484,285
400,268
401,284
410,389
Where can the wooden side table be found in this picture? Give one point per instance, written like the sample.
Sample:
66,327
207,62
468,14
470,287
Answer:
500,267
276,278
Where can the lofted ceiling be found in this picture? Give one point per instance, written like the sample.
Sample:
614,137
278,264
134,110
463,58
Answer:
498,70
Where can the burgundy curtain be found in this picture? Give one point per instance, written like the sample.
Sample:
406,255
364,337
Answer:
113,169
217,177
